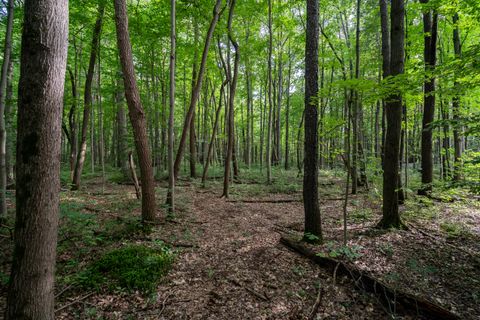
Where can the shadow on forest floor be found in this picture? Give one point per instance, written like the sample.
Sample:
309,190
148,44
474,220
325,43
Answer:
228,263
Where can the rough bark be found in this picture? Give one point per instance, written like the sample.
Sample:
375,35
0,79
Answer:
391,217
40,103
310,179
136,112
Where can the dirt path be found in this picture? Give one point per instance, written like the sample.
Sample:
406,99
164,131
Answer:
240,271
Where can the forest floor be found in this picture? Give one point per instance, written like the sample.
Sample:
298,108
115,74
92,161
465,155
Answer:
229,263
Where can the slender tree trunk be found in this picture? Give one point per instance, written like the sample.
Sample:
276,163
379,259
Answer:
11,142
136,112
270,104
430,49
214,133
231,104
391,217
217,11
287,113
3,132
313,223
88,99
39,124
457,140
171,118
122,134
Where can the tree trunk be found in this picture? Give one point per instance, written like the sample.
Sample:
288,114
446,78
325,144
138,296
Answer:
3,132
457,140
430,50
217,11
385,67
270,104
287,113
136,112
231,104
393,109
171,119
313,224
88,99
39,123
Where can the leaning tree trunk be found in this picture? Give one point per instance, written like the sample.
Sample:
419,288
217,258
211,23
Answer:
39,124
217,11
391,217
88,99
136,112
313,223
3,132
430,49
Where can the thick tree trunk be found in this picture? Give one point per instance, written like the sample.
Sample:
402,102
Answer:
136,112
3,132
217,11
88,99
430,56
39,124
391,217
313,224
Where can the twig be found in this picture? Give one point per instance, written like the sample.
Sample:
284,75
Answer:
317,304
62,291
75,301
164,303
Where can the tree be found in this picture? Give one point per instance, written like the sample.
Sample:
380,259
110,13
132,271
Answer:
217,12
457,140
313,223
393,108
430,25
136,112
231,102
171,118
3,86
40,103
88,98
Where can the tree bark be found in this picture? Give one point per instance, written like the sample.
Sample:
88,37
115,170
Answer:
457,140
231,104
269,93
3,86
88,99
39,123
171,119
430,49
391,217
313,223
136,112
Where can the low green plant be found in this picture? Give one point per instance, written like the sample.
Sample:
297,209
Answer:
453,229
133,267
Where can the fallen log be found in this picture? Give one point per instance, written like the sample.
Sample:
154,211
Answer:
392,299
